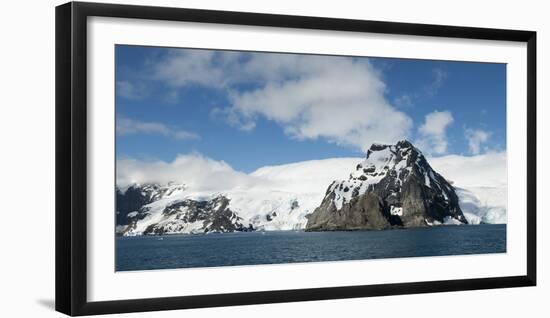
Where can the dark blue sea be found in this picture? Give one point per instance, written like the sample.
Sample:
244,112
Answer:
249,248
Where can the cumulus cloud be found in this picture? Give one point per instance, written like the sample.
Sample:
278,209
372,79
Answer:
200,67
339,99
432,133
198,172
127,126
476,138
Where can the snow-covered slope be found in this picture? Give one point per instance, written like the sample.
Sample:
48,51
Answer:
280,197
481,184
307,176
483,204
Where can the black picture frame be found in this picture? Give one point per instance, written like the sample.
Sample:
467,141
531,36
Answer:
71,157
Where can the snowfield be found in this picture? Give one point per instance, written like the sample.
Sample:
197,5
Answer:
280,197
480,182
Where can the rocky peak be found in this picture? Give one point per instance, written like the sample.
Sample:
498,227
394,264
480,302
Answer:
407,190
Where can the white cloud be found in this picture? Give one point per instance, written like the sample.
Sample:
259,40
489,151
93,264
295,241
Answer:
439,77
195,170
339,99
127,126
404,101
433,136
476,138
182,135
407,100
129,90
201,67
233,118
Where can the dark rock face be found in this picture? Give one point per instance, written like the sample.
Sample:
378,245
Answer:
393,187
211,216
136,196
178,216
364,214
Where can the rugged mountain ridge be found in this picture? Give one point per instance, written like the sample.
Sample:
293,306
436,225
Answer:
284,197
152,209
394,186
136,196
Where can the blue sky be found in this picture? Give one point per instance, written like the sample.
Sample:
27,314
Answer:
257,109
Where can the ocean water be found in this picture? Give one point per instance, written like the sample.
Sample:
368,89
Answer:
250,248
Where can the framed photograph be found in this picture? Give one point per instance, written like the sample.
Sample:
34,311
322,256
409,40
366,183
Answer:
209,158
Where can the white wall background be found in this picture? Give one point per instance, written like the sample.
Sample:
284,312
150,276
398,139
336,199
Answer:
27,157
